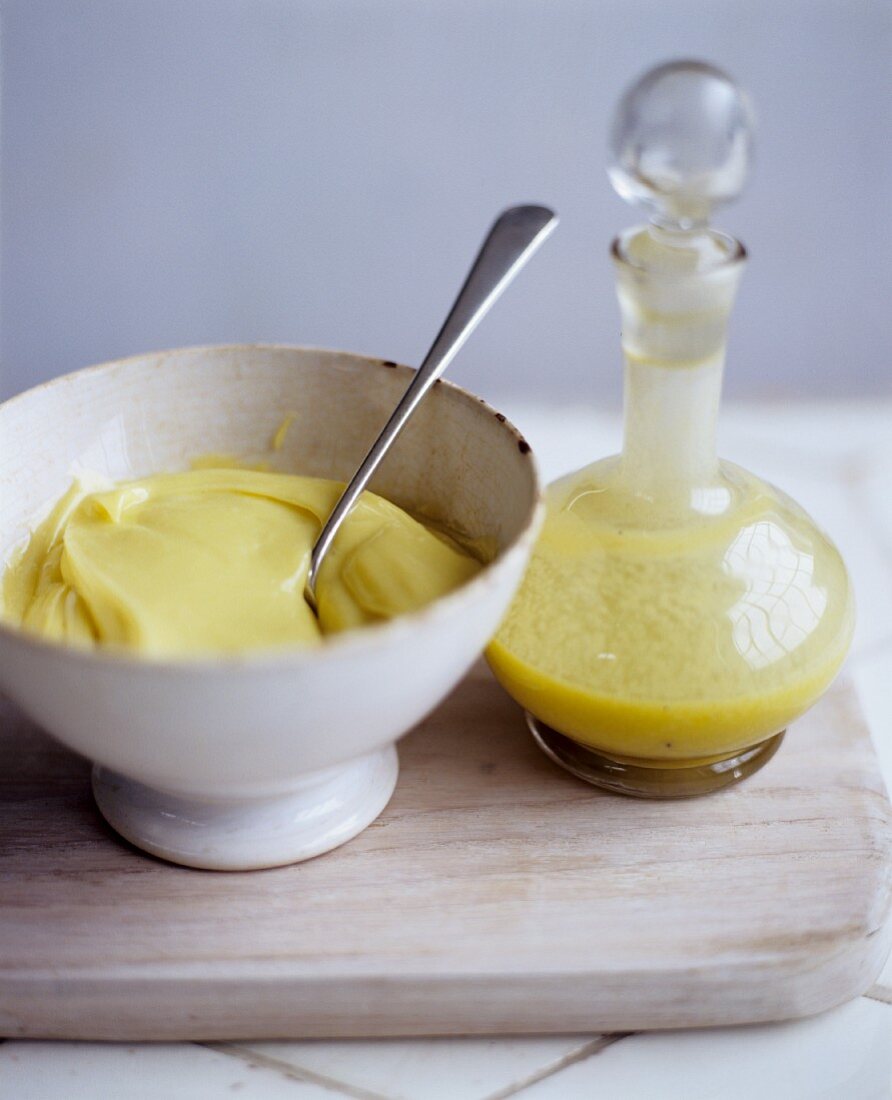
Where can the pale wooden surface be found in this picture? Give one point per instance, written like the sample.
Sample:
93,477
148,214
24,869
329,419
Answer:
496,894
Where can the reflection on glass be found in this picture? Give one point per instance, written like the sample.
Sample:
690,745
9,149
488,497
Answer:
781,605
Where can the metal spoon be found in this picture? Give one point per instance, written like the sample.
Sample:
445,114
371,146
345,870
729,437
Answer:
513,239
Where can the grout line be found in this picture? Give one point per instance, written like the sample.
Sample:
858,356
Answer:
580,1054
880,993
292,1072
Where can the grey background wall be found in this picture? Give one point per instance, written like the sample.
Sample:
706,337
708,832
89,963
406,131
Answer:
191,171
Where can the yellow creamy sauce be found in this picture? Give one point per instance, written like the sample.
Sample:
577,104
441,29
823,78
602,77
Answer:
214,560
673,644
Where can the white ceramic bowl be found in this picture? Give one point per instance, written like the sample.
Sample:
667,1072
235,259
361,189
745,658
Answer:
266,758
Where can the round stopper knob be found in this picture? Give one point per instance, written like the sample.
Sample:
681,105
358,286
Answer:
682,142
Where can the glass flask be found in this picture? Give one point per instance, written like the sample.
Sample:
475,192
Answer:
678,612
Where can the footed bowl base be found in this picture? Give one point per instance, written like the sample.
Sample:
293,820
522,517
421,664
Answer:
325,810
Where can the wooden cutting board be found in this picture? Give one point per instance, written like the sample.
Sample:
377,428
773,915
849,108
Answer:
495,894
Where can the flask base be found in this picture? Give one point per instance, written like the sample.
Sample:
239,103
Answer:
645,780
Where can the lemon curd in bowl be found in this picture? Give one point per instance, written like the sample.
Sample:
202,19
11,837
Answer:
240,758
215,560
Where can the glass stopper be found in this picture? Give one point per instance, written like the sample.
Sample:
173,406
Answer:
682,143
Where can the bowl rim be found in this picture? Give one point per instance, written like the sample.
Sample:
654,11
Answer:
334,646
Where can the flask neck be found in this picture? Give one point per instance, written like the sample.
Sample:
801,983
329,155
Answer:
676,292
669,434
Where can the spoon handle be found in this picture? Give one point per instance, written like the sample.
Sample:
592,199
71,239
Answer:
513,239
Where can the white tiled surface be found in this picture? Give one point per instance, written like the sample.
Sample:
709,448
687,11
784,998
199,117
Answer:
436,1069
837,460
119,1071
843,1053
